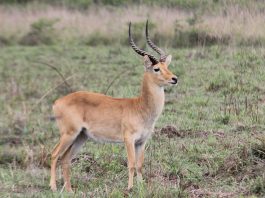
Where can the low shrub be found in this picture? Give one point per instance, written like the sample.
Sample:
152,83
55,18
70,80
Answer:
4,41
196,37
98,38
42,32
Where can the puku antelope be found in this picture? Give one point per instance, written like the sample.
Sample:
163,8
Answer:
84,115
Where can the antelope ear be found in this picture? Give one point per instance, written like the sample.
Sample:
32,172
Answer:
147,63
168,60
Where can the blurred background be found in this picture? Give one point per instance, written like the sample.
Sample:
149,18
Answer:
174,23
209,140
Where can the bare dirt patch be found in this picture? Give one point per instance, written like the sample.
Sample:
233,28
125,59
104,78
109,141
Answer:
11,141
171,132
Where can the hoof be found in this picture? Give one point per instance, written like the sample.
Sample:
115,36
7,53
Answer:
53,188
129,189
140,179
70,190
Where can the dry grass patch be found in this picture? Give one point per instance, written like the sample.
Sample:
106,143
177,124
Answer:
231,24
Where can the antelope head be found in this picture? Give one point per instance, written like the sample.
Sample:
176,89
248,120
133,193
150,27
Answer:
157,69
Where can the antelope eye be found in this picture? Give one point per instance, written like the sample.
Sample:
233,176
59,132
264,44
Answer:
156,69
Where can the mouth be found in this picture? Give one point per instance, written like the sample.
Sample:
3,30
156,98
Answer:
173,82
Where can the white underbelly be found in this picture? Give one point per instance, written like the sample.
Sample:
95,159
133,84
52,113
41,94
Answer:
103,138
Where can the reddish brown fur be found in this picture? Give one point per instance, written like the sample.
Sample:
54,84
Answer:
128,120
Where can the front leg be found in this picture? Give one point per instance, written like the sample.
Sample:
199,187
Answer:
129,143
139,154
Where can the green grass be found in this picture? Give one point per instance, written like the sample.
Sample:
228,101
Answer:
215,147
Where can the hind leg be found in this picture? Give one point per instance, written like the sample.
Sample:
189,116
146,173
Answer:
68,156
65,141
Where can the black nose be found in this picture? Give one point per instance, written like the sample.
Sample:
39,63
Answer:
175,80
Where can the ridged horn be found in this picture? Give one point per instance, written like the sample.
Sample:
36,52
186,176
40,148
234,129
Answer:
153,59
153,46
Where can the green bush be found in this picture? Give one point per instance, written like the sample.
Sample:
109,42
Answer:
195,37
79,4
224,119
16,1
4,40
184,4
98,38
41,32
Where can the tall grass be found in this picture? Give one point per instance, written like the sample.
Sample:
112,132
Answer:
236,24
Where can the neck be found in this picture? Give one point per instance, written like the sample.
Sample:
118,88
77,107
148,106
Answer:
152,98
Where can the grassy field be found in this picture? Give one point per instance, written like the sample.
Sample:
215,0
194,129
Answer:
209,141
234,24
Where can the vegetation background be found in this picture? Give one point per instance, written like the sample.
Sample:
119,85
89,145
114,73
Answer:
210,140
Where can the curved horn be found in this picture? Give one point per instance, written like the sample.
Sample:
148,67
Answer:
139,51
153,46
